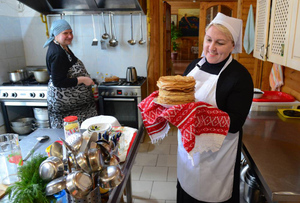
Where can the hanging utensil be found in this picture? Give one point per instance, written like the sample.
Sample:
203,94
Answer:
142,41
95,41
105,35
40,140
131,41
113,41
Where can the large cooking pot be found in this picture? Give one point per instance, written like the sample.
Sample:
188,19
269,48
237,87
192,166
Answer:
18,75
131,75
41,75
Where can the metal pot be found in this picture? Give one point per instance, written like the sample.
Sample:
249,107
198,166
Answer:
41,75
18,75
131,75
41,114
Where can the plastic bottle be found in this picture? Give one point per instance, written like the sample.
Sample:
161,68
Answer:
98,78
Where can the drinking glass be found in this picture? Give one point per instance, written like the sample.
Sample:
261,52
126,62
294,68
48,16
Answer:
10,157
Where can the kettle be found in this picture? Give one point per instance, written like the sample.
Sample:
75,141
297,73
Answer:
131,75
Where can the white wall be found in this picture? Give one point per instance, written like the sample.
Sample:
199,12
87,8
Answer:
12,56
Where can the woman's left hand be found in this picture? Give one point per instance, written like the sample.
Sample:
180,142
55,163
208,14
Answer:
85,80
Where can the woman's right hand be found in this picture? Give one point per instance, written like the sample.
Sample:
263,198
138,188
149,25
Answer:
85,80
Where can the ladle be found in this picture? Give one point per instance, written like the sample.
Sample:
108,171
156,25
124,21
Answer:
142,41
40,140
113,41
131,41
105,35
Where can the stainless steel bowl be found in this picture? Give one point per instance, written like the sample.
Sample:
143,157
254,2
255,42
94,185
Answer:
82,161
110,177
51,168
22,122
56,186
79,184
22,130
95,159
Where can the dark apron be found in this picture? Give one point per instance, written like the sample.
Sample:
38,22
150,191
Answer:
76,101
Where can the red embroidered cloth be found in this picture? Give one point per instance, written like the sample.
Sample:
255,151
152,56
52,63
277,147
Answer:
192,119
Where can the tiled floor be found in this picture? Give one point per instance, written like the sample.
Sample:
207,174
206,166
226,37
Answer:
153,175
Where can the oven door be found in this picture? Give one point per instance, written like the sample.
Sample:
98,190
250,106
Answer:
124,109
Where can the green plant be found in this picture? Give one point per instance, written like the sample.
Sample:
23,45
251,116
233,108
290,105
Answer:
175,34
30,188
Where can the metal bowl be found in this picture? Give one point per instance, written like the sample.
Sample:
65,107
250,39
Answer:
110,177
22,122
56,186
82,161
95,159
79,184
22,130
51,168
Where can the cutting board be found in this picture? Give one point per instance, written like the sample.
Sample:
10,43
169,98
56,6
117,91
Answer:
2,190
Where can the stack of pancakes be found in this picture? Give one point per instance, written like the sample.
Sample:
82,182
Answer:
176,89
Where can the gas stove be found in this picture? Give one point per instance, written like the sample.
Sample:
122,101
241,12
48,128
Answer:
23,90
122,88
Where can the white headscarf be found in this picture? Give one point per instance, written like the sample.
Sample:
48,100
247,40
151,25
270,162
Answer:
235,27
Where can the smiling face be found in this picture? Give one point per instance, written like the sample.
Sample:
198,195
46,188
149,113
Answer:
217,45
65,38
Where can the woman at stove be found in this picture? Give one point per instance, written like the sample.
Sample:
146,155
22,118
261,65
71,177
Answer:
226,84
69,87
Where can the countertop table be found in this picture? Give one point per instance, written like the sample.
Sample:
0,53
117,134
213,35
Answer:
28,142
271,146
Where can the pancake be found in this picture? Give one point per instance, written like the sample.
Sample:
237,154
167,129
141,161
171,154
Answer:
176,89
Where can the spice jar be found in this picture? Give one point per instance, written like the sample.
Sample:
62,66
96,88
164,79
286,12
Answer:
71,125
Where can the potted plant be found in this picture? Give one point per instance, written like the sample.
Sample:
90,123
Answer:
175,34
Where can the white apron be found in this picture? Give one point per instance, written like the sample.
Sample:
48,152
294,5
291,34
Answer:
211,177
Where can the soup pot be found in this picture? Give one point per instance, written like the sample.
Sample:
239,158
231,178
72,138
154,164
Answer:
18,75
41,75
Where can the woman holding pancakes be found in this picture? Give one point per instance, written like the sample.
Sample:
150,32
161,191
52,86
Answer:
226,84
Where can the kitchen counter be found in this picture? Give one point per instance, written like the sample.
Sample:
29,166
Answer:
28,142
271,146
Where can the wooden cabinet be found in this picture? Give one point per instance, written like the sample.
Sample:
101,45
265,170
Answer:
276,40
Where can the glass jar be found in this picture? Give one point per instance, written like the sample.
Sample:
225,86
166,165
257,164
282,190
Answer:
71,125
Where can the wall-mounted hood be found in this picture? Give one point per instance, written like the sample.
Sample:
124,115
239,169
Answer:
81,7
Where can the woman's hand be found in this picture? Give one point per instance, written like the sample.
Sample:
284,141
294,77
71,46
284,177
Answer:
85,80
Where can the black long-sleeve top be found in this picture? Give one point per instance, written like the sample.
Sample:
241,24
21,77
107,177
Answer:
234,91
58,65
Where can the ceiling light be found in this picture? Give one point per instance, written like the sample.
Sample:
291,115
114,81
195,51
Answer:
194,1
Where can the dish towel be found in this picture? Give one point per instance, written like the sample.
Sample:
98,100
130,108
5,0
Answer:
276,77
249,36
202,126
